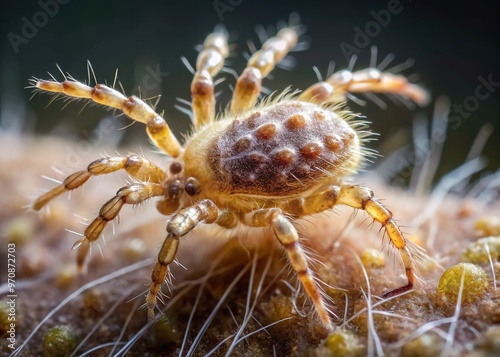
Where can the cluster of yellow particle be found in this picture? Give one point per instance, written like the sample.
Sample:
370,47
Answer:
467,278
343,343
59,341
488,226
164,332
19,231
481,251
373,258
428,344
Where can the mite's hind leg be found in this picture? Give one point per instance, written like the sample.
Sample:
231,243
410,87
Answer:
138,168
132,194
209,62
361,198
289,238
259,65
156,127
204,211
367,80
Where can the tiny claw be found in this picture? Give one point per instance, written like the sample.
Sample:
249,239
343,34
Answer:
398,291
78,243
83,246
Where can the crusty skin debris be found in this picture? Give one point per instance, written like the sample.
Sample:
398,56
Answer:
259,165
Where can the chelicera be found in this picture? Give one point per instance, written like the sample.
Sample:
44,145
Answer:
259,165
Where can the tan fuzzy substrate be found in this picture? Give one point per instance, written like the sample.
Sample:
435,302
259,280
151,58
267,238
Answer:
230,293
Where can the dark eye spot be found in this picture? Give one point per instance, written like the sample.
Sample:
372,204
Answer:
175,167
174,189
192,187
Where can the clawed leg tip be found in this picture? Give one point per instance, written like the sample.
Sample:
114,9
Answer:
397,291
78,243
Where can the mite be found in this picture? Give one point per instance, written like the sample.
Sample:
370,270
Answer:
258,165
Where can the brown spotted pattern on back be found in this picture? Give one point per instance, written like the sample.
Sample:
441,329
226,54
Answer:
276,150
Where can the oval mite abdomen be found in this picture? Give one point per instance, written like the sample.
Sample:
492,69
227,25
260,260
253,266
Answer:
291,144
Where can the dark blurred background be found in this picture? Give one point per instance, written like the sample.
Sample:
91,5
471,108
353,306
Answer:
453,45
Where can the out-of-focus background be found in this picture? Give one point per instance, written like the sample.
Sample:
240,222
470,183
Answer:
455,48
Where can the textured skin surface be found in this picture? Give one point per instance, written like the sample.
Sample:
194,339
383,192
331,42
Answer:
275,150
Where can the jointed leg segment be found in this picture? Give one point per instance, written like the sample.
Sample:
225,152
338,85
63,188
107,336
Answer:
180,224
366,80
210,61
156,127
132,194
137,167
288,237
259,65
362,198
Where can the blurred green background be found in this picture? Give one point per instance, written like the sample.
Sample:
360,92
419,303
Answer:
452,45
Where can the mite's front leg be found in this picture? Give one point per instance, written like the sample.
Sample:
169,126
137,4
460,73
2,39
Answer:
362,198
133,194
289,238
204,211
138,168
